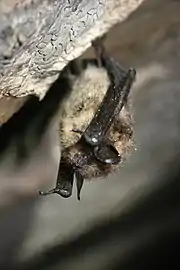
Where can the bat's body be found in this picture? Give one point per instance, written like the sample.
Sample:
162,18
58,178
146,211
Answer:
95,122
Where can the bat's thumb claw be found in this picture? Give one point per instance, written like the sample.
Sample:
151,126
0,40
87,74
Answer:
44,193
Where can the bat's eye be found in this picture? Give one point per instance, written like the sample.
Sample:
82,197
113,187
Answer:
107,153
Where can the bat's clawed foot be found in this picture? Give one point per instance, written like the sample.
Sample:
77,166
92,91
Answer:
98,43
99,48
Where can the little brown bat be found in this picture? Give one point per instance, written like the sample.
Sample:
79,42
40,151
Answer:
96,125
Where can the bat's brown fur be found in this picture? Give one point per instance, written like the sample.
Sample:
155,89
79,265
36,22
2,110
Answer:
76,113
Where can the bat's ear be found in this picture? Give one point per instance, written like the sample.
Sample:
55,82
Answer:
79,183
107,153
